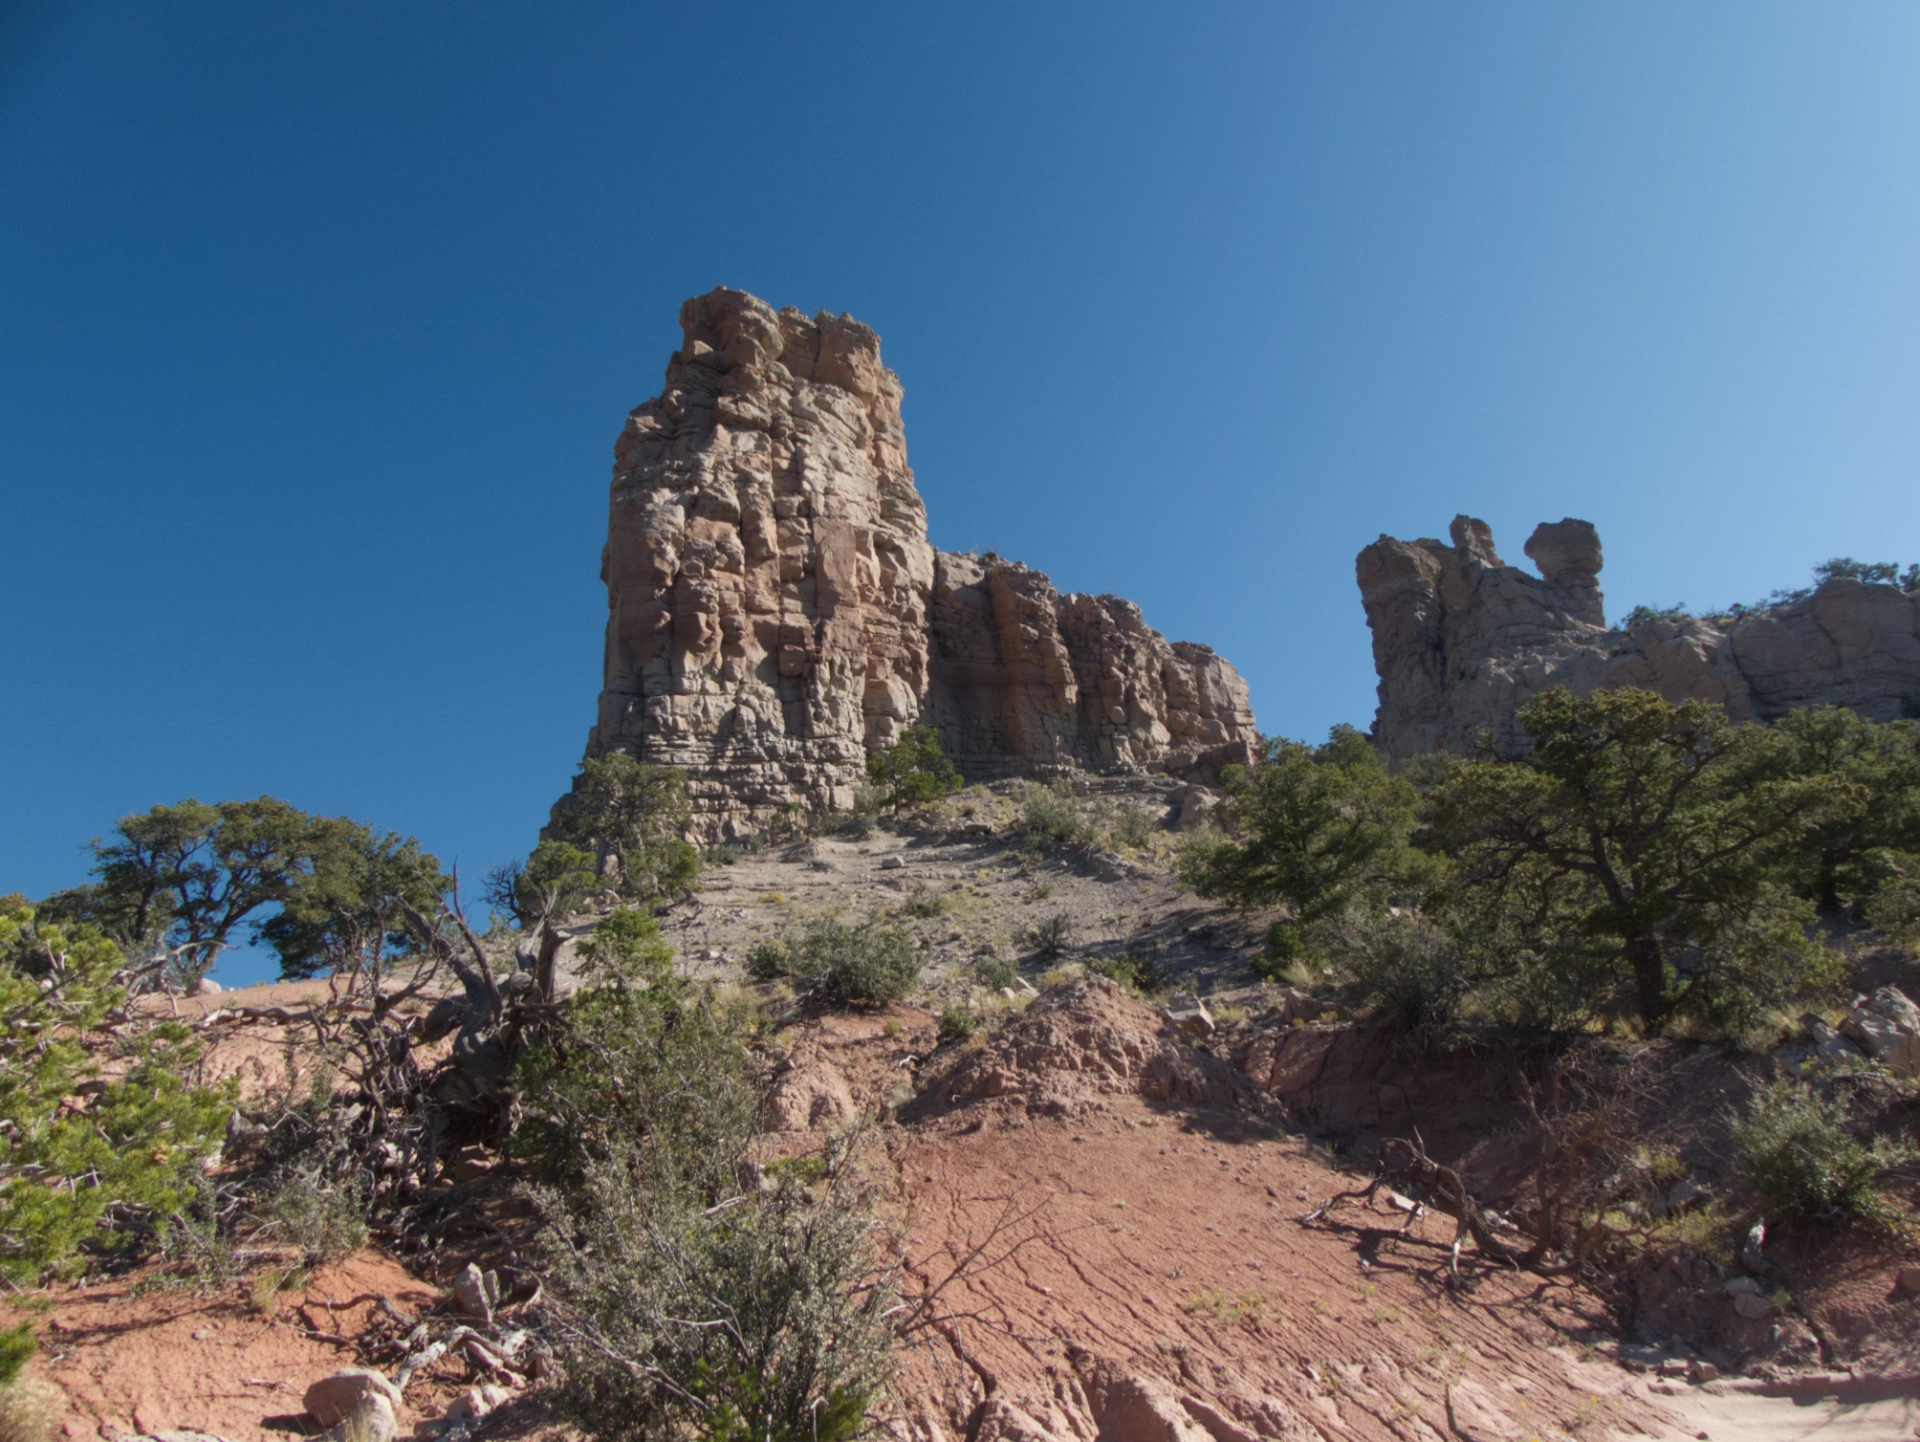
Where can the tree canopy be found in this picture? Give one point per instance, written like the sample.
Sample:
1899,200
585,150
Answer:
632,817
913,771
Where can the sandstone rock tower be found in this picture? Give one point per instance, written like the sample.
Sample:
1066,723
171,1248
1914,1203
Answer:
776,612
1461,641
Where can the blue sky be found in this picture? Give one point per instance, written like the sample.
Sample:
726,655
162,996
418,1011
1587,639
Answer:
317,324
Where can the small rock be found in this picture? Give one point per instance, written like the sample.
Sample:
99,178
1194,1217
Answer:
1187,1012
1752,1306
1743,1286
372,1421
333,1399
1687,1194
477,1293
477,1402
1703,1372
892,863
207,986
1910,1280
1672,1367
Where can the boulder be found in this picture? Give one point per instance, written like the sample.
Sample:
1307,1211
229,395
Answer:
1190,1014
372,1421
477,1293
332,1400
1887,1027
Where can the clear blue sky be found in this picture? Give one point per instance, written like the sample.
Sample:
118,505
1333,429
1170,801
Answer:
317,323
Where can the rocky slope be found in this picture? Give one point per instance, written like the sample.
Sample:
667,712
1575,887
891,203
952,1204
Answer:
776,611
1461,641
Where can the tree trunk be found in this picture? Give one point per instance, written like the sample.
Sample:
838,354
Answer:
1649,978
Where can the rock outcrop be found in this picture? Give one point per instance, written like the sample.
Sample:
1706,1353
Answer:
777,613
1461,641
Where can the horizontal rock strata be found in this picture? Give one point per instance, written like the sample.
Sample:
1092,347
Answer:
1461,641
776,612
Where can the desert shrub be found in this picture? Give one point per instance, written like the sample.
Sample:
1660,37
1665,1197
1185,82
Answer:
632,817
1403,964
1128,824
1049,937
957,1024
1050,816
925,904
320,1211
1895,907
913,771
866,965
30,1411
1796,1153
1137,968
995,973
105,1171
1316,829
688,1303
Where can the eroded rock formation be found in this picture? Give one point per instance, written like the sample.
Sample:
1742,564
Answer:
1461,641
776,611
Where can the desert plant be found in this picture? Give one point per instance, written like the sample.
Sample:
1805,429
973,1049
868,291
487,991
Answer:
632,817
1318,830
1631,861
1050,816
1049,937
30,1411
1796,1153
912,771
925,904
994,973
866,965
320,1211
687,1302
1128,824
957,1023
1137,968
1403,964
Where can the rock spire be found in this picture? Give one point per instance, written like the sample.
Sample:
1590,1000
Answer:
776,612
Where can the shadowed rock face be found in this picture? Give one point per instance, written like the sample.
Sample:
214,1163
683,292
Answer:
1461,641
776,612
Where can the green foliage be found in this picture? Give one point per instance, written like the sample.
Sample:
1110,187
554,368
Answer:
316,1208
16,1350
1136,968
1646,615
1894,907
1632,862
552,882
131,1147
1050,816
1885,573
632,817
689,1303
1049,937
175,882
344,912
1794,1150
1402,964
957,1023
1317,830
913,771
995,973
1848,856
866,965
925,904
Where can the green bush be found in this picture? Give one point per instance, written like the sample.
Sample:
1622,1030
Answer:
1404,965
957,1024
1895,907
1049,937
866,965
318,1210
688,1302
632,817
995,973
1050,816
1795,1152
925,904
1137,969
912,772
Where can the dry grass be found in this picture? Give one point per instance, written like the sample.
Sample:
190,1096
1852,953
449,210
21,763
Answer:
29,1411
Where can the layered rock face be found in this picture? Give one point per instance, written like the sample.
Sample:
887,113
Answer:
776,612
1461,641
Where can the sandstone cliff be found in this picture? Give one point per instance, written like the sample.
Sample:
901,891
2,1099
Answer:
776,612
1461,640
